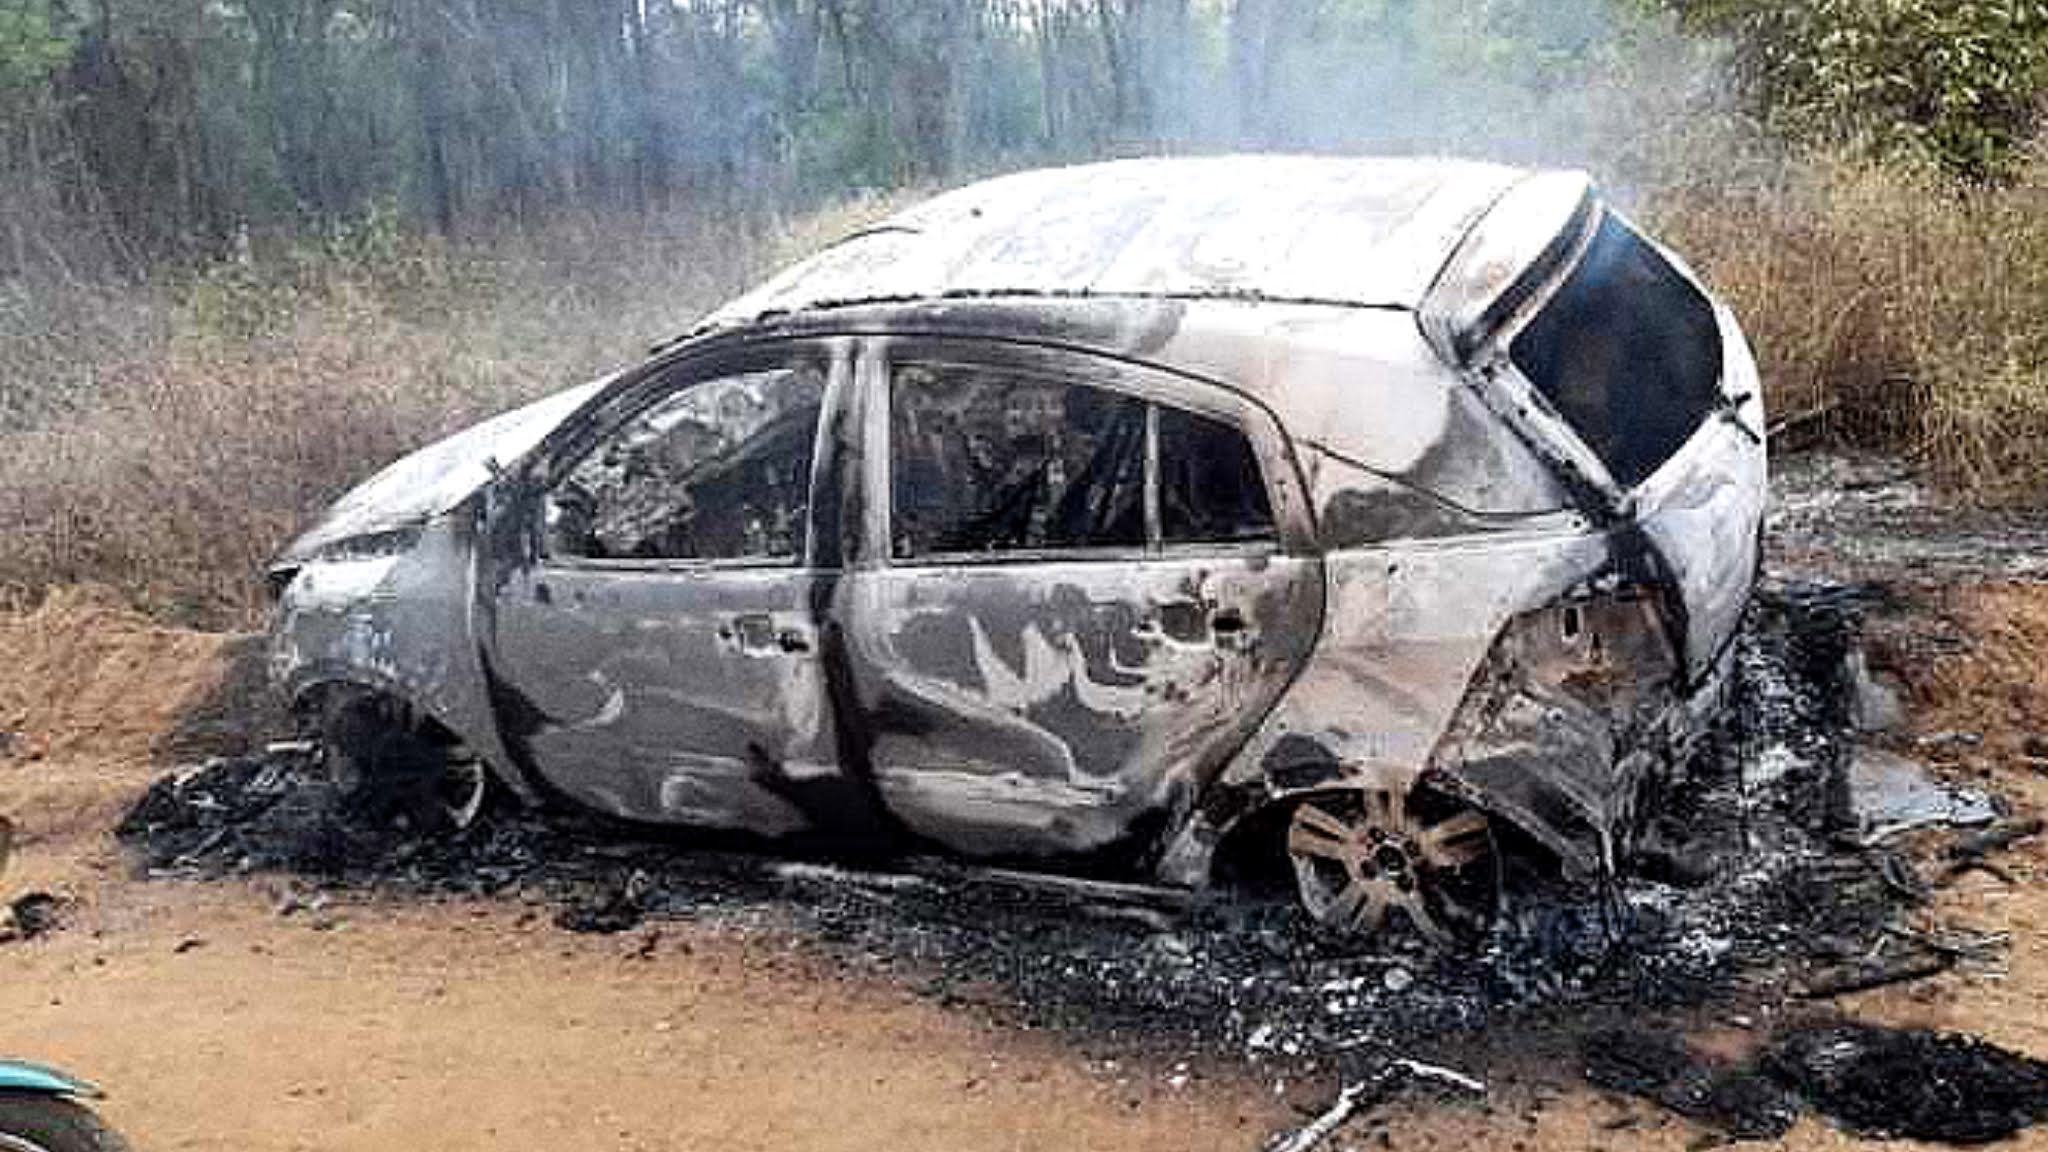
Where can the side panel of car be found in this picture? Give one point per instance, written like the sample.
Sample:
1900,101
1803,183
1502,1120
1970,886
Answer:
1407,629
1084,585
1544,672
656,651
1628,369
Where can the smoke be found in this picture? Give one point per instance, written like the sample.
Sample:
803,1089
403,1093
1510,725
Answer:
1605,85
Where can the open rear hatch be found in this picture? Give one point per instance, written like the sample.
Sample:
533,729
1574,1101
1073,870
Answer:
1608,356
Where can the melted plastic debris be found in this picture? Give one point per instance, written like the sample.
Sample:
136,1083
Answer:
1659,1066
1891,794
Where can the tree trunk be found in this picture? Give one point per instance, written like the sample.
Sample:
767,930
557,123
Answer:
426,28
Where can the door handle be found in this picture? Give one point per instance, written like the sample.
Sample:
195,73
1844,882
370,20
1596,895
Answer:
1176,620
756,632
752,632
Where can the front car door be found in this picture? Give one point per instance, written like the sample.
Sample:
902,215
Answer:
657,658
1086,583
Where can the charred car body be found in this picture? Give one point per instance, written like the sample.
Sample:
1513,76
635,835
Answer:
1369,513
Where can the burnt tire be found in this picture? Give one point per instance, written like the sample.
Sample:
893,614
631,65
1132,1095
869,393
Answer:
392,767
37,1122
1374,859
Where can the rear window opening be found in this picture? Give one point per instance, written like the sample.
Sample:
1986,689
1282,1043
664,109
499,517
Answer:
1628,351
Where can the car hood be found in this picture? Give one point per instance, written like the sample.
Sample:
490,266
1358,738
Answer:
439,476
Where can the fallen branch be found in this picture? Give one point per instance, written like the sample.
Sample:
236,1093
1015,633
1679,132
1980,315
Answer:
1438,1073
1784,425
1849,978
1996,838
1963,868
1369,1093
1977,947
1354,1096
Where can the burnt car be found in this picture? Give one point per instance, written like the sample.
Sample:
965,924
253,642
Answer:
1368,519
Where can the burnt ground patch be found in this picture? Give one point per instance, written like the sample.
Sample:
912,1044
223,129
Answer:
1748,889
1877,1082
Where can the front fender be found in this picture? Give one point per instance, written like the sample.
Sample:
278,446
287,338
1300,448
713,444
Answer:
21,1076
401,624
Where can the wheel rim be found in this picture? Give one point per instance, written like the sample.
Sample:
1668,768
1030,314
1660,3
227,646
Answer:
1365,857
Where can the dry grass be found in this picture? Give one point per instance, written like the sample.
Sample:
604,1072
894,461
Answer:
1893,309
172,471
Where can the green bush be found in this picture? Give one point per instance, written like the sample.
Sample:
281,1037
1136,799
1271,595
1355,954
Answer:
1957,81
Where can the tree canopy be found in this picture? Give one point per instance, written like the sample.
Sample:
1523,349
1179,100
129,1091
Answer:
140,130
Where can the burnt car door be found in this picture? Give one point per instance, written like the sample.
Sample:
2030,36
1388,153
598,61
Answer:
656,655
1086,582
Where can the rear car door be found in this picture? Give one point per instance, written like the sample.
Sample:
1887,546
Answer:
657,658
1087,583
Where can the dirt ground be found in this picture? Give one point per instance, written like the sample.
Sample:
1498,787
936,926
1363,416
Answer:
227,1016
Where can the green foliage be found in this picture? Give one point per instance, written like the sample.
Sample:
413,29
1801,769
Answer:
1960,82
31,45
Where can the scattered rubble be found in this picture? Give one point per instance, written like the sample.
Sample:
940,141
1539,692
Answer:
1754,883
1892,794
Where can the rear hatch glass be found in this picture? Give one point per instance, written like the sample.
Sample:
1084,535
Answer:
1628,351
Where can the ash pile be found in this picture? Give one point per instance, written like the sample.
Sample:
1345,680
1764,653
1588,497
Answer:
1756,887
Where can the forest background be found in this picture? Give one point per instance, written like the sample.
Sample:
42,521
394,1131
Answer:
251,249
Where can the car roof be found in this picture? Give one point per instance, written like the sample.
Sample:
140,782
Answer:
1353,232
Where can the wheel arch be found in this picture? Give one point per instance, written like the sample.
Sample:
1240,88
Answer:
307,693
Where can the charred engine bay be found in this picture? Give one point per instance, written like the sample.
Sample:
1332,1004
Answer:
1750,896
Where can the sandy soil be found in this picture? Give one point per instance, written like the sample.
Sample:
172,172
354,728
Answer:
219,1021
219,1024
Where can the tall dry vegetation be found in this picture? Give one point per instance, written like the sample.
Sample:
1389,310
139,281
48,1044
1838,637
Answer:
204,423
1892,307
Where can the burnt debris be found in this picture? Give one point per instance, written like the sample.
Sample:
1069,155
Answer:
1909,1083
1878,1082
33,914
1748,887
1661,1067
